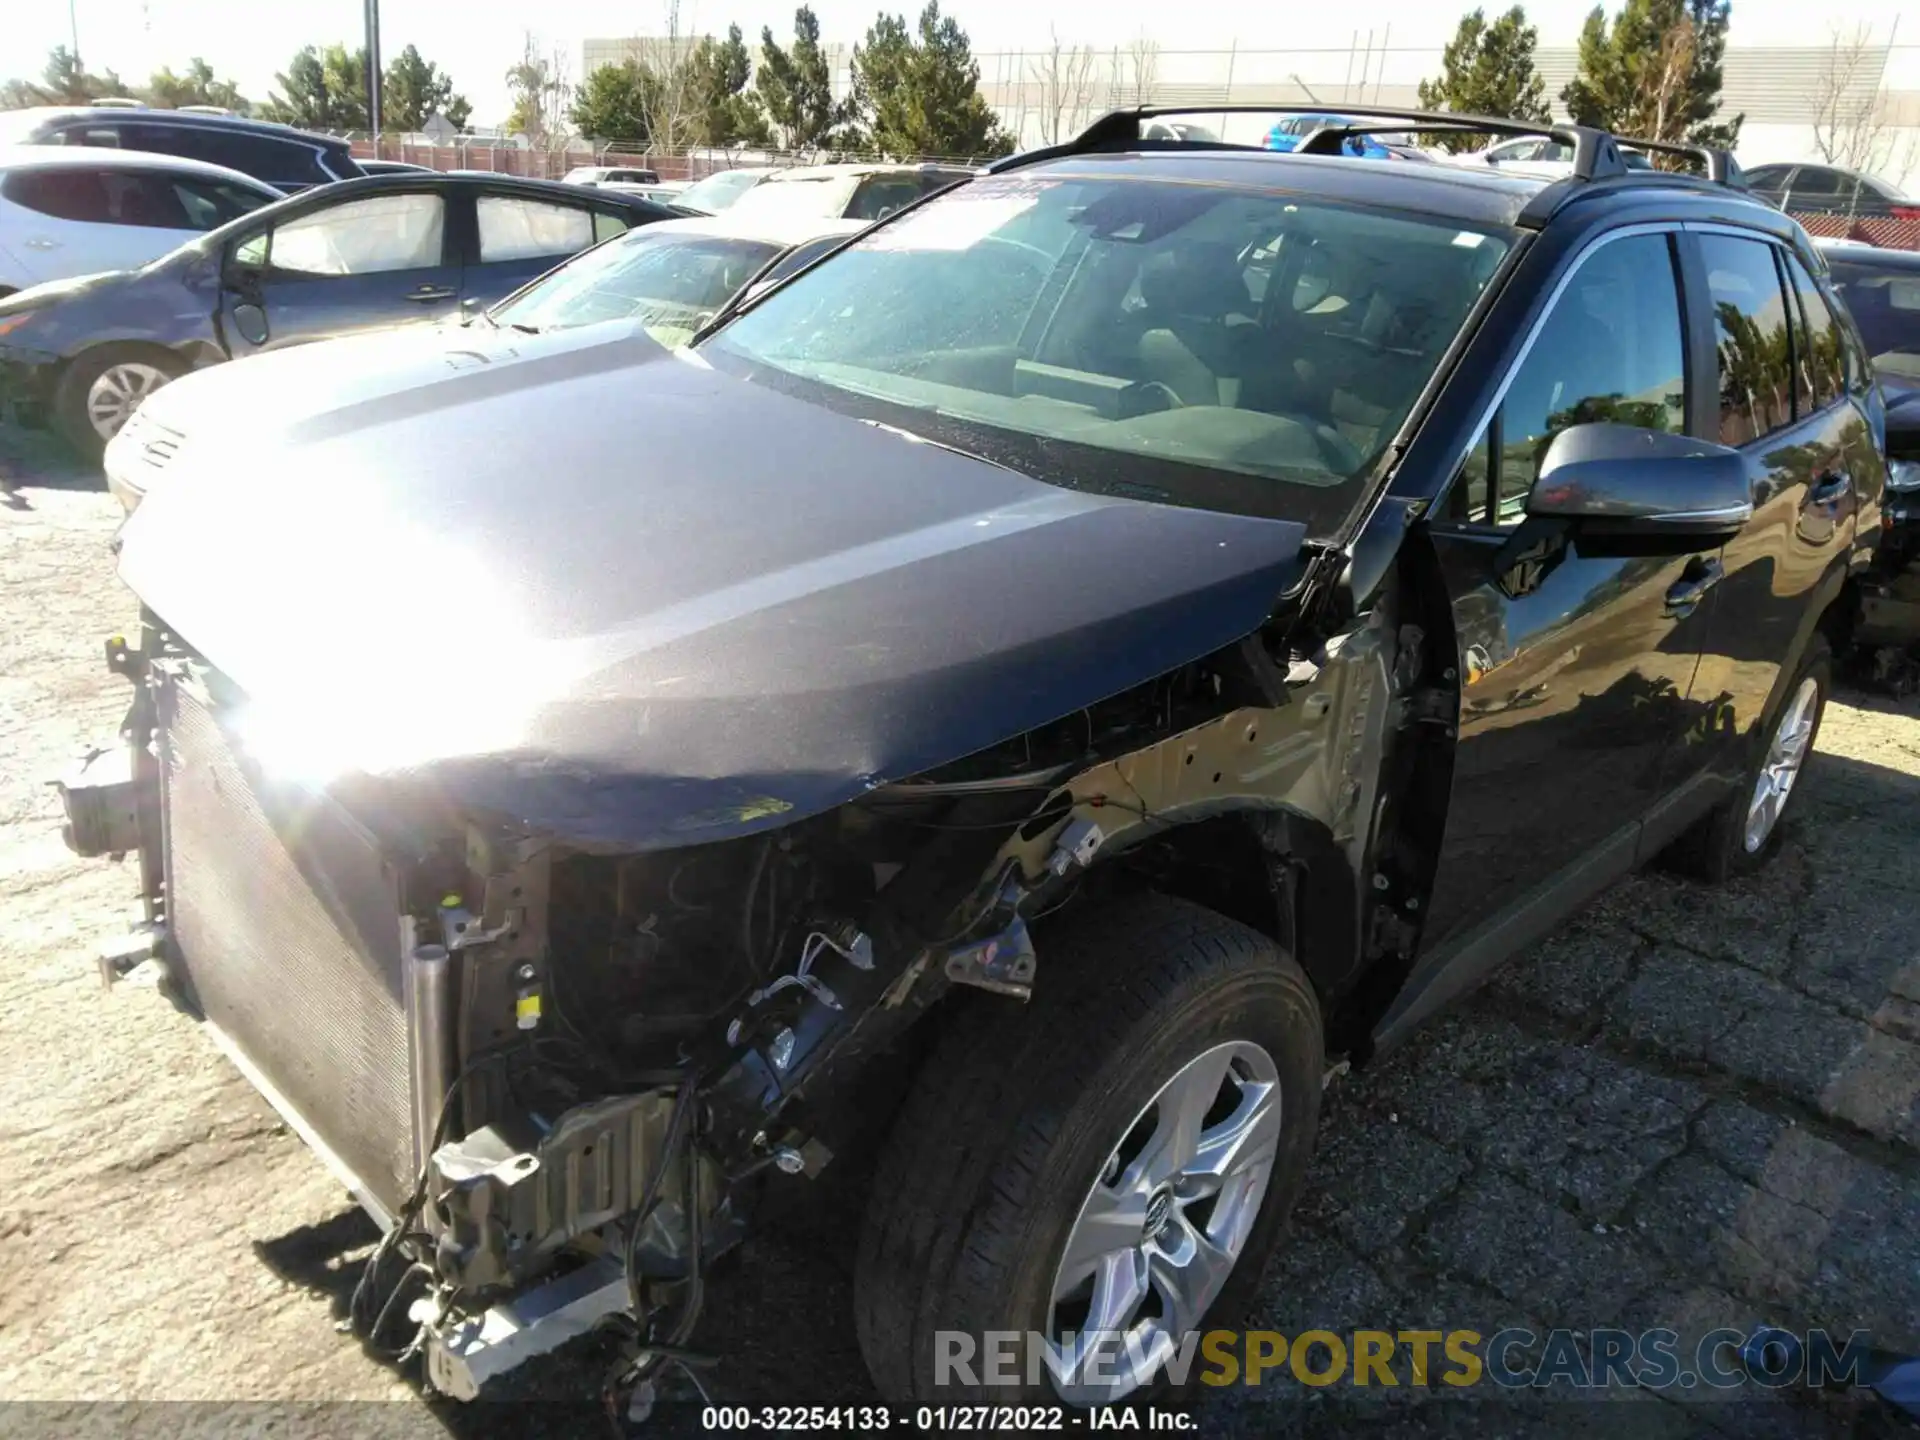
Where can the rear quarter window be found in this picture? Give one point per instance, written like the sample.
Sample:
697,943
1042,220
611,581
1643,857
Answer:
265,157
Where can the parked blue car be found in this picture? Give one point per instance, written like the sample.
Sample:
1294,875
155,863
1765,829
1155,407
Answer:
1289,132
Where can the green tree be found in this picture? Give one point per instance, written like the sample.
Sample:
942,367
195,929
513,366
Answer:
726,112
197,87
1655,72
541,94
1487,70
321,90
65,81
414,88
795,87
612,104
918,92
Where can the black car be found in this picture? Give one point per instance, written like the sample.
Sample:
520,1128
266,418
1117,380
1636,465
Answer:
287,159
1829,190
1881,288
378,251
1026,701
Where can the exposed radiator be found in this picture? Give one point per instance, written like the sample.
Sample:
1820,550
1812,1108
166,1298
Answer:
285,923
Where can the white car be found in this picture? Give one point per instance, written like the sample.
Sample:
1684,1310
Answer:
843,192
612,176
1537,155
67,211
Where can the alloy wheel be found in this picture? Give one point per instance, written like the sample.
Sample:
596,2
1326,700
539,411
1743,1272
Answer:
1786,757
118,391
1164,1224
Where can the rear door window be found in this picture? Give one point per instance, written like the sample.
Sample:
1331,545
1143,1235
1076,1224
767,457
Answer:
513,228
1750,323
1819,365
210,204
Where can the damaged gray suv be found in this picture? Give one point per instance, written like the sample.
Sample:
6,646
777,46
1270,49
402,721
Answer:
1026,699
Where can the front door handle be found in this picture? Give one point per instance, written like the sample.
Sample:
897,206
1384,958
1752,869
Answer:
40,242
432,292
1686,593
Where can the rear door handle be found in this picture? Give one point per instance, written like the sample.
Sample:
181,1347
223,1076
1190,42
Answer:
40,242
432,292
1686,593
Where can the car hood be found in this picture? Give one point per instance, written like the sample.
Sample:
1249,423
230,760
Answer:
48,291
608,593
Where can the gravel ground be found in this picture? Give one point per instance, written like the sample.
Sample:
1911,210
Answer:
1689,1107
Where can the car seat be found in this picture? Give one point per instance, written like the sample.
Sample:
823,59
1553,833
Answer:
1198,331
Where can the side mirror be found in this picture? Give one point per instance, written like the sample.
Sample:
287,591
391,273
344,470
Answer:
251,321
1625,482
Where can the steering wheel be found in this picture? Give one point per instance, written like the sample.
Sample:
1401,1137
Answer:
1133,400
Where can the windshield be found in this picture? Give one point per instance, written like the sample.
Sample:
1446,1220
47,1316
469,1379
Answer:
818,197
717,192
1237,347
670,283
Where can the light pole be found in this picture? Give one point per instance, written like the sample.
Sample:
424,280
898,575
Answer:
373,72
73,26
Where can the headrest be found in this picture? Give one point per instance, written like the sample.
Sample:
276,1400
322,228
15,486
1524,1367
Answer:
1205,281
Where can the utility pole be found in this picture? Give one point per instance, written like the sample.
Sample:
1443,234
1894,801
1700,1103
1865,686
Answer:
73,25
373,72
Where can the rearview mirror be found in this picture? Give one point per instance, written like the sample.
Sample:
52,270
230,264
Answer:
1623,481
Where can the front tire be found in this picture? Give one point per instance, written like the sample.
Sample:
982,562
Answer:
1743,833
101,389
1119,1156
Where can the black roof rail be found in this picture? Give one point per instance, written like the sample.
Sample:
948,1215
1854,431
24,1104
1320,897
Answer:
1596,153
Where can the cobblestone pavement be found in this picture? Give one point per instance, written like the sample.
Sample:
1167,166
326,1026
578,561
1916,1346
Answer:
1689,1108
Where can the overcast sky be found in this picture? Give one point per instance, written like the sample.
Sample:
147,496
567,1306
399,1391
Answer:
476,40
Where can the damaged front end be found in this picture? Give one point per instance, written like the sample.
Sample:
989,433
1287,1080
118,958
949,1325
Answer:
644,858
560,1077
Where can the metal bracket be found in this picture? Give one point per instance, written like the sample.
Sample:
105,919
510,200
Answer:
121,957
463,1354
1002,963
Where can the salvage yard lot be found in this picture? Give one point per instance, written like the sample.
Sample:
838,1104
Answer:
1688,1108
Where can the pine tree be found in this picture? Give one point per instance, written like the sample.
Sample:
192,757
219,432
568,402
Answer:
1488,70
795,86
1655,72
197,87
726,111
918,92
414,89
321,90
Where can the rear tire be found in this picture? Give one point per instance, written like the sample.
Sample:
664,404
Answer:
1723,844
101,388
1024,1123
